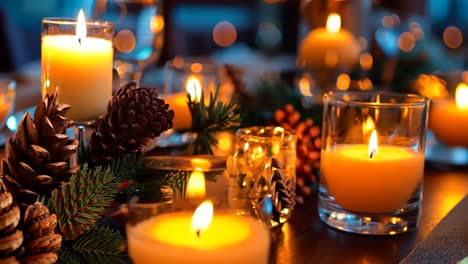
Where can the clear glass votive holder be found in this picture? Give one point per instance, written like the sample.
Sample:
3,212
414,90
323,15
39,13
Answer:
262,174
76,63
372,161
448,123
160,232
190,179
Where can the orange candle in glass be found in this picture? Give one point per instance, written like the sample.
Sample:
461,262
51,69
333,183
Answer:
449,118
371,178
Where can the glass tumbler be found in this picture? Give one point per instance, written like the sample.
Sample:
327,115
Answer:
262,174
372,161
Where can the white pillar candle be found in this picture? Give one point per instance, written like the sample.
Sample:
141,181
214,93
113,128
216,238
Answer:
79,69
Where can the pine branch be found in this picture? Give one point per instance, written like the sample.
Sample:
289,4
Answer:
81,202
206,120
127,167
98,245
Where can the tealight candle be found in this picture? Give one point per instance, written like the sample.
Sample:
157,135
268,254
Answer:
330,46
76,66
201,237
449,118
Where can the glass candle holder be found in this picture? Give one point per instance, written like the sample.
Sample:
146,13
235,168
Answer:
333,46
204,235
372,161
191,76
263,174
195,178
448,122
76,62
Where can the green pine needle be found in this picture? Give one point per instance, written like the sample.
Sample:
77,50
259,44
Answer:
206,120
98,245
81,202
127,167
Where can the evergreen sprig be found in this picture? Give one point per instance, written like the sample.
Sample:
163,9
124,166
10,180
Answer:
81,202
208,119
128,167
100,244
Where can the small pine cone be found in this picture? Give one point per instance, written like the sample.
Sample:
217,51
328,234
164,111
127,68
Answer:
11,237
37,155
39,238
307,150
134,117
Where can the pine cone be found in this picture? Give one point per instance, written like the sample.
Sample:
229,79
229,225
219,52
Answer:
307,150
11,237
37,155
134,117
283,190
39,238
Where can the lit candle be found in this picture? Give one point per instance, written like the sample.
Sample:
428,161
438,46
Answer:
368,178
5,108
179,103
79,69
196,185
204,237
330,46
449,118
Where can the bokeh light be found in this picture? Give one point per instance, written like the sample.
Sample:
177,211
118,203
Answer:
453,37
366,61
406,41
124,41
224,34
268,35
196,67
178,62
157,23
343,81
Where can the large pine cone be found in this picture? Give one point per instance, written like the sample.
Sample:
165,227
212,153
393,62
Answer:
11,237
134,117
307,150
37,155
40,241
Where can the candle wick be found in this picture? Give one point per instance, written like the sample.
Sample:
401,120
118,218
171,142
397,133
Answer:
79,40
371,154
198,232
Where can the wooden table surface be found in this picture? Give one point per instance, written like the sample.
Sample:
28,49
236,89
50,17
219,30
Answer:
305,239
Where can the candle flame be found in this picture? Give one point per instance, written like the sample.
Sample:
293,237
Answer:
368,125
202,217
193,87
81,26
333,23
461,96
196,185
373,145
